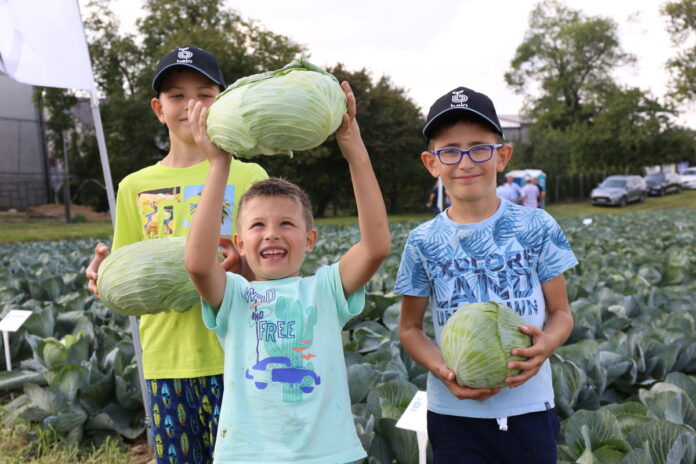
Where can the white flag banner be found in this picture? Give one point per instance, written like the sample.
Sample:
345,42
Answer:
43,43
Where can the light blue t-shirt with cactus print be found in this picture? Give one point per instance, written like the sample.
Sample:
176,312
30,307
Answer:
505,259
286,396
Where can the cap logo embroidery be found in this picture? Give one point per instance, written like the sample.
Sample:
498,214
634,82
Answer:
184,56
459,99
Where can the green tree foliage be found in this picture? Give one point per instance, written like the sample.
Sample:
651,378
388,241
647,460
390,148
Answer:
584,121
568,57
681,17
123,64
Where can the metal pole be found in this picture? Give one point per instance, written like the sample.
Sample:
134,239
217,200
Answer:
66,180
99,130
8,356
440,196
50,197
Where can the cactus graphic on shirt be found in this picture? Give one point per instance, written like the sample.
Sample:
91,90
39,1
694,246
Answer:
292,338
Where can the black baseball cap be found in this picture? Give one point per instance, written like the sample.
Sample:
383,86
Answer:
463,99
191,57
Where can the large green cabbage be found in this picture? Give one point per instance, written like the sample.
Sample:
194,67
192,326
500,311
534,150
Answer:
147,277
277,112
477,343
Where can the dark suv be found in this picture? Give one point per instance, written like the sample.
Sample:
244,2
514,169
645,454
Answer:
662,184
619,190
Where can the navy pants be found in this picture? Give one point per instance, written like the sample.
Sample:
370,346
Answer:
529,439
185,415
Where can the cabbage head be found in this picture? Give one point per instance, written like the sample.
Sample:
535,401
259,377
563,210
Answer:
477,343
147,277
277,112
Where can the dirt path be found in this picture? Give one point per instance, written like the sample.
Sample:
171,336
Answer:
53,212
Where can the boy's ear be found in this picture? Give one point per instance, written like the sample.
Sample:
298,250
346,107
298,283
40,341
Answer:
504,155
312,236
431,163
156,106
238,244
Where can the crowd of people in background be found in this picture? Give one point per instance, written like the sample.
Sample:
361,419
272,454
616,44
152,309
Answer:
531,195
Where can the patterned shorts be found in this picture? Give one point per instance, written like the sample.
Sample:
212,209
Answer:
185,414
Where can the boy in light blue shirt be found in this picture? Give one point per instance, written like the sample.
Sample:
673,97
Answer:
510,191
286,392
484,248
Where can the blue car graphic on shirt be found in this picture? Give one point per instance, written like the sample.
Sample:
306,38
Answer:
285,374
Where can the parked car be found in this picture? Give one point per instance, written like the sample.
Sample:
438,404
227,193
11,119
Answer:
662,184
688,178
619,190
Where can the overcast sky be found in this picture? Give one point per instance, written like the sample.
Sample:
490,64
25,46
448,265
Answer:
429,47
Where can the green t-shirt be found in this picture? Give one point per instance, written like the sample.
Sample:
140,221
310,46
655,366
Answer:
158,202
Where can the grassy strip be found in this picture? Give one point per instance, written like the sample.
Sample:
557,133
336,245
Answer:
31,231
23,443
686,199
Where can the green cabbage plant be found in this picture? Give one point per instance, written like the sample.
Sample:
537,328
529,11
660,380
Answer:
477,343
277,112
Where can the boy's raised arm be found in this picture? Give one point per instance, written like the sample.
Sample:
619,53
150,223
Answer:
202,242
359,264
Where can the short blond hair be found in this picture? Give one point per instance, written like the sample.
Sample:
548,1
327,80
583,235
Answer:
278,187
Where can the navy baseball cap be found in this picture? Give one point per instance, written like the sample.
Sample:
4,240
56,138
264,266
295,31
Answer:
463,99
191,57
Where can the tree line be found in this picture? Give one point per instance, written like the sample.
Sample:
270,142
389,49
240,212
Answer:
582,120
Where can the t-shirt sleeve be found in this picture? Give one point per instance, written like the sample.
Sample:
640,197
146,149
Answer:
412,279
347,308
218,322
255,173
556,256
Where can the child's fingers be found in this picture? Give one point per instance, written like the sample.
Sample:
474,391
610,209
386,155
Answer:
345,123
526,352
352,109
518,380
478,394
350,99
203,120
530,363
531,330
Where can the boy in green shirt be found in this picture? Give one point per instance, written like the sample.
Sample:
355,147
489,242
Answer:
182,360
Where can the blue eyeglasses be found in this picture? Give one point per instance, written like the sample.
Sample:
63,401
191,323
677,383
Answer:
477,153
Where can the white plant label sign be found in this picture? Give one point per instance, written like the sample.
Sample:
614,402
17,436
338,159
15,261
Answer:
14,320
415,416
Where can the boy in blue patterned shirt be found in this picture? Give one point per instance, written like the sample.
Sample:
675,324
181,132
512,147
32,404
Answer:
484,248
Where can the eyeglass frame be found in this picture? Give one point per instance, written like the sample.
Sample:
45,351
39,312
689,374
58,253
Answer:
466,152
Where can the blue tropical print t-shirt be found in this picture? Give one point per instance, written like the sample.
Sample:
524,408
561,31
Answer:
505,259
286,395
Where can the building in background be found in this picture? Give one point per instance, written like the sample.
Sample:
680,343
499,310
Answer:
516,130
25,174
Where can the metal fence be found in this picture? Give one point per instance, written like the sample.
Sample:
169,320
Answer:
572,187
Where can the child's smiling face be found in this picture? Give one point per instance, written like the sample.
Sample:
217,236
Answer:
171,107
273,236
467,181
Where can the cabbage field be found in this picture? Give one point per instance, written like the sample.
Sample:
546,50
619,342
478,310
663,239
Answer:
625,381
